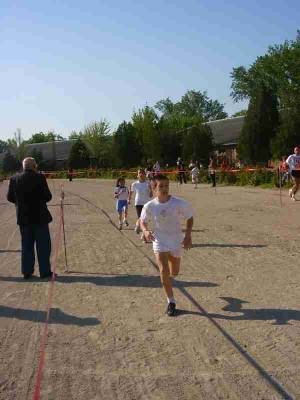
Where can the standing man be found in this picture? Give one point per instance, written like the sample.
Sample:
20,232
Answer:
29,192
180,173
293,165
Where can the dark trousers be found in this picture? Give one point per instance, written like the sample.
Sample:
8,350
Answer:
39,235
213,179
181,175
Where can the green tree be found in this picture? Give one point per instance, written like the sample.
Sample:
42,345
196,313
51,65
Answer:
240,113
98,139
10,163
3,146
197,143
79,156
259,128
148,137
192,104
74,135
125,146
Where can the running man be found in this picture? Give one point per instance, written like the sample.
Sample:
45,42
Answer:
293,165
143,194
165,211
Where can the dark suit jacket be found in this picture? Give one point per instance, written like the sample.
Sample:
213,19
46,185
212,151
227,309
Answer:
29,192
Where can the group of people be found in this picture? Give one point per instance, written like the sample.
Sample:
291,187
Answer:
29,192
165,211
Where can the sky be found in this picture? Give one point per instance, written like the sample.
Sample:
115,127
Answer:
67,63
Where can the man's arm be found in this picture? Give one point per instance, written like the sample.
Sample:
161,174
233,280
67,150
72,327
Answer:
11,194
147,234
187,241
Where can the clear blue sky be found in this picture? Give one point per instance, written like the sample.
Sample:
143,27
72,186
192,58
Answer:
67,63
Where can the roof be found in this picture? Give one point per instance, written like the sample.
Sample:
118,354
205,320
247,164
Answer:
62,149
226,131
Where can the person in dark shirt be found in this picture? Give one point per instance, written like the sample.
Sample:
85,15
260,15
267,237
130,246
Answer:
29,192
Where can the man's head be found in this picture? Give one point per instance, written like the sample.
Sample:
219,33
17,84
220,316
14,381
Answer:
297,150
29,163
160,184
141,175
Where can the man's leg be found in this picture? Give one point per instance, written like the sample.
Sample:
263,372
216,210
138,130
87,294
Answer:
43,248
28,257
180,178
296,185
184,178
174,265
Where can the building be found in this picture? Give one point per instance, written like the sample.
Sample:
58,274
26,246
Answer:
225,135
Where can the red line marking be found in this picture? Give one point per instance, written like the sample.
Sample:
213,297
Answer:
45,334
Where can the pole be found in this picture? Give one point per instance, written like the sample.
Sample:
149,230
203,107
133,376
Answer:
280,191
62,196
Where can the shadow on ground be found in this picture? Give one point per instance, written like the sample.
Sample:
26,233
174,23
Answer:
56,316
229,245
117,280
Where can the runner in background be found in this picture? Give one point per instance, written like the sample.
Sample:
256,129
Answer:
122,196
180,173
70,174
293,165
165,212
149,171
195,176
143,194
156,168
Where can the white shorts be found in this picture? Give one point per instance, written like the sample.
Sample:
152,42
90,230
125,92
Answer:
174,253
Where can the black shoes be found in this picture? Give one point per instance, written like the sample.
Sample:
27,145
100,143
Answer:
49,275
27,276
171,310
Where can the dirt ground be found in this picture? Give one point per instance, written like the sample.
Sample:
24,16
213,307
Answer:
236,335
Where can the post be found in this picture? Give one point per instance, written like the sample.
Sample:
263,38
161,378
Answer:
280,191
62,196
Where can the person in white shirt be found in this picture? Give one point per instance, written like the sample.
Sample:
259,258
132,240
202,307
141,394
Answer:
122,195
293,165
195,175
165,212
156,167
143,193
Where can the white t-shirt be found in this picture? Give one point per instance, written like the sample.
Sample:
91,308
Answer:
195,172
166,219
142,192
123,193
156,167
293,162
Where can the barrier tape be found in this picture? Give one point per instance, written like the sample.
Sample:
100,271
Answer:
45,333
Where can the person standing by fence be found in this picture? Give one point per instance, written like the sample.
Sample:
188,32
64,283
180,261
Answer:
29,192
180,173
212,171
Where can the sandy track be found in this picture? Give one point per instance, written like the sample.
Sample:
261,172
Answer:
236,336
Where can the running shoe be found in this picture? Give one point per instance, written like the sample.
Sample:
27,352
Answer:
126,222
120,226
137,229
293,197
291,193
171,310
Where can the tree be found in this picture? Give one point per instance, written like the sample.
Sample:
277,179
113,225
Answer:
97,138
10,163
197,143
193,103
79,156
39,138
259,128
3,146
240,113
125,146
74,135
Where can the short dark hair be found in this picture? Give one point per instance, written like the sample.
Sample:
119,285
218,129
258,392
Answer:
158,178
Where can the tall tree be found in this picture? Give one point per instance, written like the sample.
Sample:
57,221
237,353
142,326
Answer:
197,143
125,146
259,128
3,146
240,113
98,139
10,163
79,156
74,135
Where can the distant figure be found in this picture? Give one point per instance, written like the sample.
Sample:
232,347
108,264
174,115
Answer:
149,171
284,173
195,176
293,165
1,180
156,168
29,192
70,174
212,171
122,196
180,169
